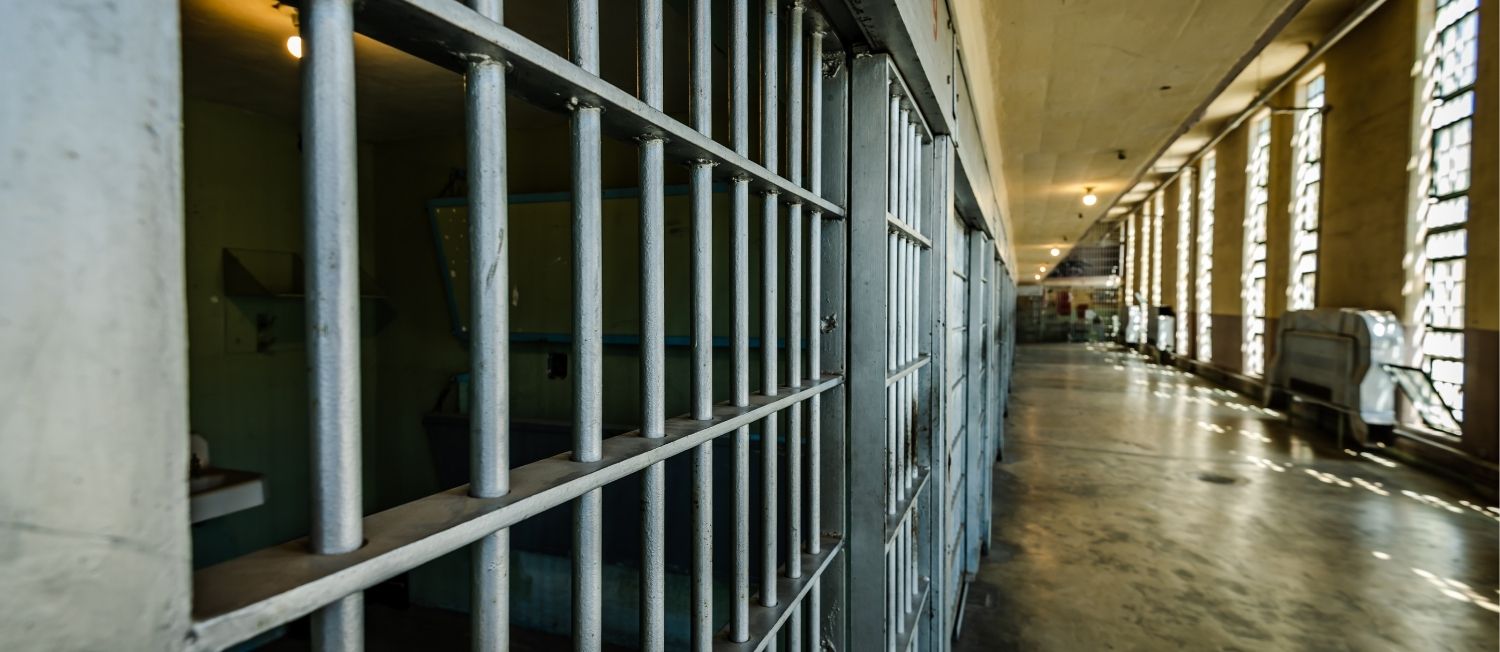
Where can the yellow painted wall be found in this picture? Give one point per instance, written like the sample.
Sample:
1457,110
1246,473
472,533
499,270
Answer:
1229,222
1484,214
1367,134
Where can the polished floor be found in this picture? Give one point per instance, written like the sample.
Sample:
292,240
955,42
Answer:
1140,508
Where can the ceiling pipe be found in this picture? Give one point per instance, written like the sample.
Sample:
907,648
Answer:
1352,20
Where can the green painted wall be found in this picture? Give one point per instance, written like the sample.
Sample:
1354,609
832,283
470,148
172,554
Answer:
243,191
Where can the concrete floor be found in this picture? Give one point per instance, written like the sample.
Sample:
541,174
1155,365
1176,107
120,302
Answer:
1138,508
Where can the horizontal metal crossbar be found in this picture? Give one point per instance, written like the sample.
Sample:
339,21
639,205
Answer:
904,508
451,35
765,622
907,369
240,598
904,230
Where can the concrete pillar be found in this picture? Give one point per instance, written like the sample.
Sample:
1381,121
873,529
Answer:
94,543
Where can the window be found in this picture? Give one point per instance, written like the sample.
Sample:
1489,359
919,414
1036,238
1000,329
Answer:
1307,179
1156,224
1183,303
1253,288
1442,218
1128,253
1143,246
1206,257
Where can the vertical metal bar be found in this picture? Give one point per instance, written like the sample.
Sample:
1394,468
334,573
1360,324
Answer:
701,186
739,261
911,169
769,388
331,224
917,182
740,264
893,185
769,149
489,335
814,299
794,296
903,159
909,250
588,324
653,339
794,626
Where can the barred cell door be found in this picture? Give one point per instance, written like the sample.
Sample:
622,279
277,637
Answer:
891,402
796,541
956,394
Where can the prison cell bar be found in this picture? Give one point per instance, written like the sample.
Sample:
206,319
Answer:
332,227
739,261
769,209
653,338
489,335
794,314
587,131
814,325
588,331
701,181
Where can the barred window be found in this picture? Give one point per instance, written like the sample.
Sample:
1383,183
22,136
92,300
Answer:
1156,228
1206,256
1307,181
1442,233
1184,257
1253,288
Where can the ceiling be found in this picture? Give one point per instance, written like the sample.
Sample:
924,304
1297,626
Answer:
1063,87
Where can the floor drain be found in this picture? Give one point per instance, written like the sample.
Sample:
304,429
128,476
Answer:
1216,478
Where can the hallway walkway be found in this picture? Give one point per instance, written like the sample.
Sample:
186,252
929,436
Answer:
1139,508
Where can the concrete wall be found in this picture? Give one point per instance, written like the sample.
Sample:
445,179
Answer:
93,370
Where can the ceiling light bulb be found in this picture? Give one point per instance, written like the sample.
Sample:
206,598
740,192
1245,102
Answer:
1037,276
1089,198
294,46
1055,252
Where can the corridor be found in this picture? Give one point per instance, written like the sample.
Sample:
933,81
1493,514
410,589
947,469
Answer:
1140,508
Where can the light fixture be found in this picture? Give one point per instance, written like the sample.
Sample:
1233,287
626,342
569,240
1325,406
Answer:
1043,268
1089,198
294,42
1037,276
1055,252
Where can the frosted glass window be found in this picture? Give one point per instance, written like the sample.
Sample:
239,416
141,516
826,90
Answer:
1207,177
1156,228
1184,257
1253,276
1443,218
1307,184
